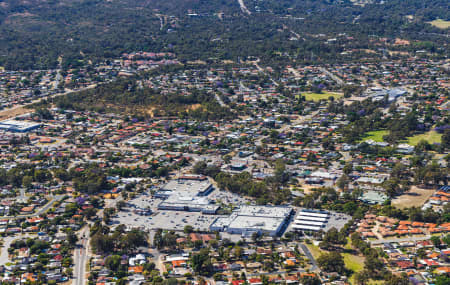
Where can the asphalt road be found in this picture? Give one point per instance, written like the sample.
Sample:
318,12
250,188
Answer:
338,80
308,254
244,8
7,241
40,211
219,100
81,257
285,127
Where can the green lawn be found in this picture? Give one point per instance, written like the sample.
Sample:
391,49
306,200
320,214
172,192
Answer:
354,262
309,96
375,135
441,24
348,245
431,137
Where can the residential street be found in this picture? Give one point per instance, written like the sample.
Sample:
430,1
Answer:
308,254
39,211
338,80
7,241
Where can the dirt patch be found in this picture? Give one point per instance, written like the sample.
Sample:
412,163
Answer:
349,101
25,14
150,112
405,53
201,62
10,113
308,189
193,107
415,197
369,51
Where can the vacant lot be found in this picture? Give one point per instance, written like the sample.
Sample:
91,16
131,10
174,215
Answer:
415,197
321,96
431,137
13,112
441,24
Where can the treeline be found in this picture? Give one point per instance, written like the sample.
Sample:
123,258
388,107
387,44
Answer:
24,175
103,241
86,178
90,180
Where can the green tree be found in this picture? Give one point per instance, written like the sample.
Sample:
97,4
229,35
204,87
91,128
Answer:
442,280
188,229
71,237
445,140
332,262
112,262
436,241
348,168
343,181
27,181
309,280
362,278
201,262
399,280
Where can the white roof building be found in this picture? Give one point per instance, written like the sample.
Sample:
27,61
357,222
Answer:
254,219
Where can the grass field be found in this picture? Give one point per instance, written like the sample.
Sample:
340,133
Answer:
321,96
375,135
315,250
441,24
354,262
348,245
431,137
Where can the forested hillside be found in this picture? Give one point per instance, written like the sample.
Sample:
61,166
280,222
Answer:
33,34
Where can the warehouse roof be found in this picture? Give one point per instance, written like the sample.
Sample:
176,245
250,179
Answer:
264,211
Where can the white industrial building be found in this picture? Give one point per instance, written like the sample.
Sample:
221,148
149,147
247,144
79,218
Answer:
188,187
18,126
310,220
178,202
187,195
254,219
